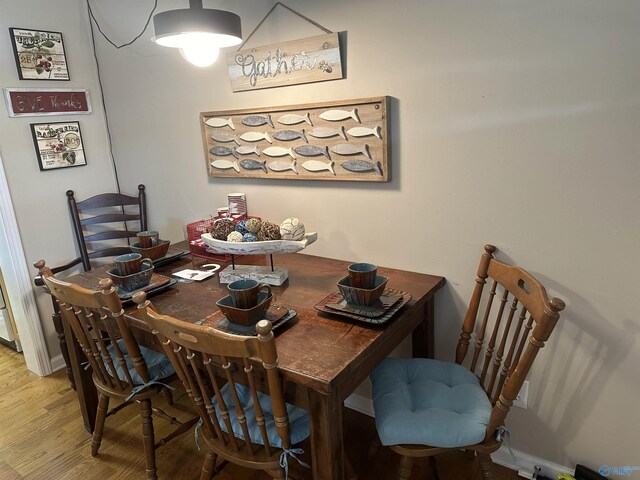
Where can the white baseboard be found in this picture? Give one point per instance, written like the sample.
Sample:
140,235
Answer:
523,463
57,363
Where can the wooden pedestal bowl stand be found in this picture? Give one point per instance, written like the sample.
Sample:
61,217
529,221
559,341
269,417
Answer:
264,274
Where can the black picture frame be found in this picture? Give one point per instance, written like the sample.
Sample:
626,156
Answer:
58,145
39,54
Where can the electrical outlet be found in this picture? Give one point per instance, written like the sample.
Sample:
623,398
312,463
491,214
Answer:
523,396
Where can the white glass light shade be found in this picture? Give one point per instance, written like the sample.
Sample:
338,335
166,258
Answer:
200,56
189,39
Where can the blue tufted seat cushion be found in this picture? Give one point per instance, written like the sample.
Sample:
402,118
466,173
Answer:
428,402
158,364
298,417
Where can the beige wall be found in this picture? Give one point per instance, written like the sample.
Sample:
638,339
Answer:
39,197
512,122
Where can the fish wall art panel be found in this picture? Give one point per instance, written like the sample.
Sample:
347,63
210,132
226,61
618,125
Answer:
344,140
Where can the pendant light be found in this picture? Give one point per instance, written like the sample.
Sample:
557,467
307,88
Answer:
198,32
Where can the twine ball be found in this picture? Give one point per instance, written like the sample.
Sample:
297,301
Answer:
253,225
269,231
241,226
222,228
249,237
292,229
234,237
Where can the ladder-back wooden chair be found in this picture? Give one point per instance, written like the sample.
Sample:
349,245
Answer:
238,423
105,217
114,216
122,369
424,407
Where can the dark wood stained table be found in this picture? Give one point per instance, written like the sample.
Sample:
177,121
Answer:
322,358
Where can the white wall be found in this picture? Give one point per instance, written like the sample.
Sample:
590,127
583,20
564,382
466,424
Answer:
512,122
39,197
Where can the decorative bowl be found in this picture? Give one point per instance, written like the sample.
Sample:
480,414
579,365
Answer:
245,316
133,281
155,252
362,296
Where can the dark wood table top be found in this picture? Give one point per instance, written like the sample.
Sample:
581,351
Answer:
321,351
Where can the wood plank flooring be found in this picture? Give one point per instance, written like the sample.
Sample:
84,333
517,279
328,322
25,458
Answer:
42,437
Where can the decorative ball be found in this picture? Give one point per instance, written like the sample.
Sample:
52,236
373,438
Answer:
249,237
234,237
253,225
221,228
269,231
292,229
241,227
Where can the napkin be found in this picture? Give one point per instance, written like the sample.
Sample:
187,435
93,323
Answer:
196,275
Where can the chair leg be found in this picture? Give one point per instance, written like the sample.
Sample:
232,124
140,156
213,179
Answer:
486,465
349,471
374,447
103,407
168,395
277,474
434,467
209,466
148,439
404,472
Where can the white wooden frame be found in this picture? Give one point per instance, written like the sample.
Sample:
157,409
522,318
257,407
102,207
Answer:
20,290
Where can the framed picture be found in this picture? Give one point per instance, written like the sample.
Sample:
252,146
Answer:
58,145
39,54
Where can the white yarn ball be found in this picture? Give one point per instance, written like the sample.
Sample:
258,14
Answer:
234,237
292,229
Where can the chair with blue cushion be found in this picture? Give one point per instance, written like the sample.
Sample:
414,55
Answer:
424,407
238,422
122,369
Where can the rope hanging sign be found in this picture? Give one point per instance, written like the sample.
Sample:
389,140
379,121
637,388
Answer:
305,60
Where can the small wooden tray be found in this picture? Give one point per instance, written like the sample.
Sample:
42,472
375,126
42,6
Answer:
276,314
336,297
378,309
172,255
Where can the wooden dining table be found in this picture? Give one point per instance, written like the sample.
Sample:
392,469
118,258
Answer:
322,357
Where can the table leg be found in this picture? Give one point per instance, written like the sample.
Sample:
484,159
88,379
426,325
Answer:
327,450
422,337
87,394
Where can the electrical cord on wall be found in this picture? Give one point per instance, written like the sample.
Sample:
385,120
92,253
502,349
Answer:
95,56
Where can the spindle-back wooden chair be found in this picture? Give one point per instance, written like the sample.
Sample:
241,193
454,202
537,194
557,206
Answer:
122,369
505,344
262,435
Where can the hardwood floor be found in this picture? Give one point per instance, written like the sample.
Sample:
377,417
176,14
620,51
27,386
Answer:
42,437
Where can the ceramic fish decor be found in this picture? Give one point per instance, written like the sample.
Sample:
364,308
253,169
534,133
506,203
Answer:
362,166
220,122
294,119
225,165
250,164
278,152
257,120
288,135
318,166
282,166
221,151
255,137
243,150
350,149
325,132
339,115
363,132
312,151
224,137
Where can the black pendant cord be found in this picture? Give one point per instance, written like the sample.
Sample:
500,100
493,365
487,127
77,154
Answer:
316,24
155,6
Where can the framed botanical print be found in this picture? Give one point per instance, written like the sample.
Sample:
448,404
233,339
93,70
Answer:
39,54
58,145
